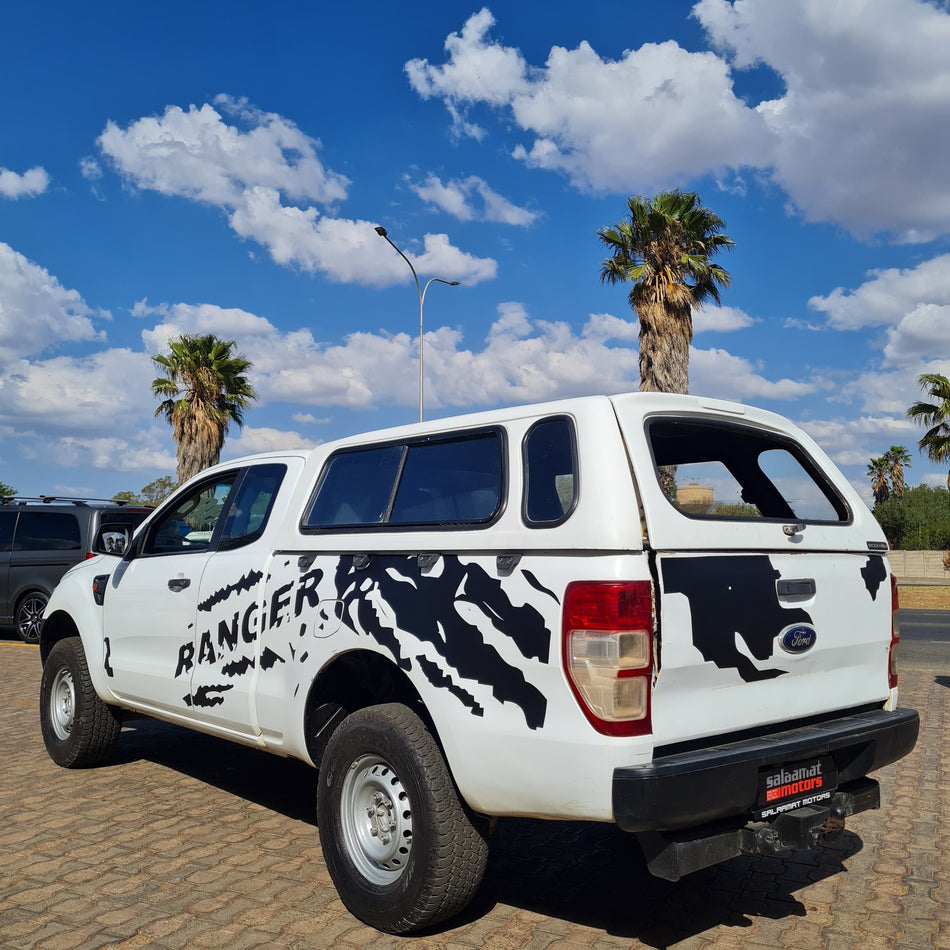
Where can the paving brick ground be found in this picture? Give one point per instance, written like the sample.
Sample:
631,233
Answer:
181,841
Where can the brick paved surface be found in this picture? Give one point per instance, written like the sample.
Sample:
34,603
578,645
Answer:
185,841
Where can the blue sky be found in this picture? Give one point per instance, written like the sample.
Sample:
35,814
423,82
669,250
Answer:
220,167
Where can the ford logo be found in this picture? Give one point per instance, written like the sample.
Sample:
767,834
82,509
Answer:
798,638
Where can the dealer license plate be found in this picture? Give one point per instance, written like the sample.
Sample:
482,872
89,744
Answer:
791,785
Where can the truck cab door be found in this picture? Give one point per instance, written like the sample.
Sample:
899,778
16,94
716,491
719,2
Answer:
150,604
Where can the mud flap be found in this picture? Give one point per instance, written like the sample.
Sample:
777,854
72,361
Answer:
670,855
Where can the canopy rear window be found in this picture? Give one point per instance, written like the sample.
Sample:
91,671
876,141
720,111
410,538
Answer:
725,471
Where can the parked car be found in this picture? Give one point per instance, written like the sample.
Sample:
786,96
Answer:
515,613
40,539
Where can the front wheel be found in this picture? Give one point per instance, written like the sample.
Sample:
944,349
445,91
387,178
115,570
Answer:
78,728
403,851
29,616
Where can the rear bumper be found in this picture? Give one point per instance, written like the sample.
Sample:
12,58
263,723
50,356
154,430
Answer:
687,789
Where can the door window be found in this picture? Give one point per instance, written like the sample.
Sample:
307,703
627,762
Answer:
189,525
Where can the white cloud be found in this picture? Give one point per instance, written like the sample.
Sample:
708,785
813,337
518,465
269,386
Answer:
195,154
884,390
855,441
30,183
262,179
455,198
36,311
859,136
715,372
308,418
861,133
887,296
252,441
721,319
588,114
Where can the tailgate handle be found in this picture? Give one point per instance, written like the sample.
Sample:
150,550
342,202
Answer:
796,588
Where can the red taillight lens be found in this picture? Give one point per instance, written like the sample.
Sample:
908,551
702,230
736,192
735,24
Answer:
895,635
608,653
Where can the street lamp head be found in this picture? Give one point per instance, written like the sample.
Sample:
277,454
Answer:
381,231
453,283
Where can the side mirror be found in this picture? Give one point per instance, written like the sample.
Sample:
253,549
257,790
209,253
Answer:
113,538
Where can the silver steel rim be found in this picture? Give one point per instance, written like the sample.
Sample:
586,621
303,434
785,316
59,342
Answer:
62,704
376,816
31,616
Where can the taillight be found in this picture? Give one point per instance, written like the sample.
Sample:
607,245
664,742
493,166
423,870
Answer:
895,635
608,653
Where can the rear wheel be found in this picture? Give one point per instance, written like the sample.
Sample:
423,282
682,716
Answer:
29,616
403,850
78,728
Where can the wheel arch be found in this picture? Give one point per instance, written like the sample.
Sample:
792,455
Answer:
57,626
352,681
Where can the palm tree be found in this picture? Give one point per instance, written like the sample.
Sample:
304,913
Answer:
897,457
936,440
203,390
664,248
878,470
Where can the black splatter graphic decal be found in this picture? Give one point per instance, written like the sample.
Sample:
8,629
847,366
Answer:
399,605
730,595
874,574
427,606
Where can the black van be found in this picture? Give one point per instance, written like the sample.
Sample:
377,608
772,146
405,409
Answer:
40,539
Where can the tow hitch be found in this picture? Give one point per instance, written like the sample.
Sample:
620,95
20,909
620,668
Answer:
670,855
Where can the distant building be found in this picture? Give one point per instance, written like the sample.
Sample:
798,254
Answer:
694,499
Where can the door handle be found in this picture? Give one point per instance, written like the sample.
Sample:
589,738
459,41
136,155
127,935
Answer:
179,583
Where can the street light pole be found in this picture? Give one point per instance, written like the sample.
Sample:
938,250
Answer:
422,297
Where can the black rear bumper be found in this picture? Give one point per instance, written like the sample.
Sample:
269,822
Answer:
692,788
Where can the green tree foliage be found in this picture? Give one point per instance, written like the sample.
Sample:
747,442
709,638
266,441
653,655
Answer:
128,497
920,522
897,458
203,390
878,470
936,416
664,249
6,490
155,492
734,509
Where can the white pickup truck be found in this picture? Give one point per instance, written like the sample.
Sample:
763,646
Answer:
667,612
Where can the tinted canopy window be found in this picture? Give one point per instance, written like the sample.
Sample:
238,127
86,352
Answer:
446,482
550,477
712,470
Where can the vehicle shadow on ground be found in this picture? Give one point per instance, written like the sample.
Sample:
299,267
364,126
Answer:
585,873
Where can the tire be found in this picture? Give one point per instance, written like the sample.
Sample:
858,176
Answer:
403,850
29,616
79,729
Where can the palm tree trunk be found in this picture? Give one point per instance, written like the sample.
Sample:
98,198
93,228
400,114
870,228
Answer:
665,335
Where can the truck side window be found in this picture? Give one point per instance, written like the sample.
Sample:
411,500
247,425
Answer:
454,481
448,482
355,488
189,525
550,472
248,513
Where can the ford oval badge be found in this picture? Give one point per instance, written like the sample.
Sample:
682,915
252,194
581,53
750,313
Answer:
798,638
